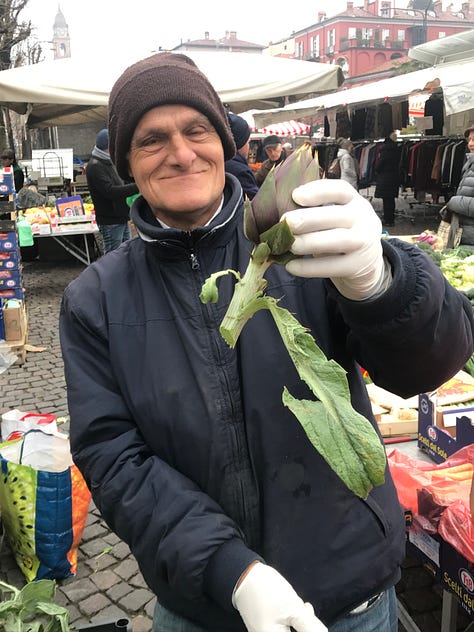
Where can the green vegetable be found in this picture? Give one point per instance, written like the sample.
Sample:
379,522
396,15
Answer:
343,437
31,609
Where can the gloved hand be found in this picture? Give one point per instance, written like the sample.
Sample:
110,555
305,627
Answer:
343,234
267,603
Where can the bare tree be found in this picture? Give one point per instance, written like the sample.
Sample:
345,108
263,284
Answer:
13,32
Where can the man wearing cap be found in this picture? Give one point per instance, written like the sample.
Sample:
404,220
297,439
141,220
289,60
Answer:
276,154
461,205
236,521
108,192
238,165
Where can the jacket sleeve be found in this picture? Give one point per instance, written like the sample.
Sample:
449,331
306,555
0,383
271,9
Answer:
178,534
108,182
419,333
462,204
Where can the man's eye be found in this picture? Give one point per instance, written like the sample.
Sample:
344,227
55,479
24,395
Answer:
197,131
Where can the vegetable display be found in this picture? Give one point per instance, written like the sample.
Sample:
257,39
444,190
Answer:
344,438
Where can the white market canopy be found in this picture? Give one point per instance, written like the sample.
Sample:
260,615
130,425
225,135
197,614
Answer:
456,79
445,50
71,91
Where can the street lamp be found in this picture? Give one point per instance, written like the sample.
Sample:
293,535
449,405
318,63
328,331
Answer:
422,6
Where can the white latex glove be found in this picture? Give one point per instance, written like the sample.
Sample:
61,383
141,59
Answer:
267,603
342,232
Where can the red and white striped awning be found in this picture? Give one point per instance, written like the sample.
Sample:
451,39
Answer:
286,128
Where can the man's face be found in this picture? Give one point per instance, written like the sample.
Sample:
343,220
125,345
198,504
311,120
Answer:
7,162
274,152
177,161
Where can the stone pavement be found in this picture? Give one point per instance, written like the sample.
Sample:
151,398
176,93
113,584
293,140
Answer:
108,584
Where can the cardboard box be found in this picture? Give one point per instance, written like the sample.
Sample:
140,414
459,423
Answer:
70,207
10,278
7,183
453,570
14,319
6,205
433,438
8,241
457,576
12,292
9,260
7,225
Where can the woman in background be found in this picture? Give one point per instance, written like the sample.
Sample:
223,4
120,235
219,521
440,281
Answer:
347,161
461,205
387,177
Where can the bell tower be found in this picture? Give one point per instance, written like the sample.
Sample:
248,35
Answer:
61,39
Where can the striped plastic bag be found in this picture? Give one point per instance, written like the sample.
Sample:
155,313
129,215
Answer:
44,511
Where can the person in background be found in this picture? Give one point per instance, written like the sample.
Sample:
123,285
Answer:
387,177
9,160
238,165
108,192
288,149
461,204
347,161
237,522
276,154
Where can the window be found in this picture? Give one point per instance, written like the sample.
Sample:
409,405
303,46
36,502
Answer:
300,50
441,34
385,10
331,37
367,33
351,32
315,46
385,34
401,35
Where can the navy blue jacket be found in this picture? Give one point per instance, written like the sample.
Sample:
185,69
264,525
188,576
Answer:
239,167
191,456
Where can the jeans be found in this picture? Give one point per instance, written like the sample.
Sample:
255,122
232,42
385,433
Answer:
380,617
113,235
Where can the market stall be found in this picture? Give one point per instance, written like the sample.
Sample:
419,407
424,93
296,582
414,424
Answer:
65,91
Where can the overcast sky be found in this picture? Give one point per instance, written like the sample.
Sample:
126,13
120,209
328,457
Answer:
147,24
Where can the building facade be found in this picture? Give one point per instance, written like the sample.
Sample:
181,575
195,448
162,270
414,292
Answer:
229,43
361,39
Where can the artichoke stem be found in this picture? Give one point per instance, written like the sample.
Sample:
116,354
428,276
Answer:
249,288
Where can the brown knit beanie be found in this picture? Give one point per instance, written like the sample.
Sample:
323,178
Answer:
162,79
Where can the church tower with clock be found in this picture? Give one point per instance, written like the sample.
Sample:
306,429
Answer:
61,39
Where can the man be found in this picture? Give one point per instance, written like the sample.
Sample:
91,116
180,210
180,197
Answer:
238,165
276,154
108,193
236,521
9,160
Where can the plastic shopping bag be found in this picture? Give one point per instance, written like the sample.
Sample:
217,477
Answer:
16,422
44,504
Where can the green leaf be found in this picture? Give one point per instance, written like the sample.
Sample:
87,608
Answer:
34,592
209,291
279,238
343,437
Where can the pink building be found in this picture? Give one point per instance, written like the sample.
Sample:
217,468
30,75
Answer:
360,39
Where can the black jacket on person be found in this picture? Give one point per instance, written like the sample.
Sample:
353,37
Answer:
387,170
462,202
108,191
191,456
239,167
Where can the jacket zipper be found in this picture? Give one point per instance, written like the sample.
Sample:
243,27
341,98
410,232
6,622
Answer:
194,261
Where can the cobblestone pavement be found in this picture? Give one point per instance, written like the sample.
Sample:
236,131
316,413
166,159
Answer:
108,584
